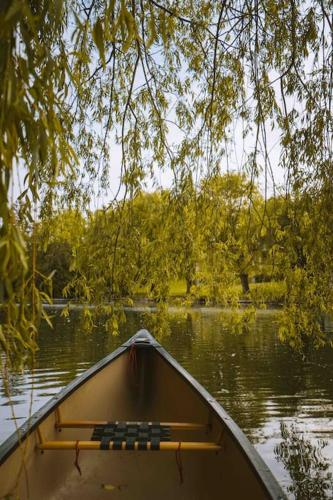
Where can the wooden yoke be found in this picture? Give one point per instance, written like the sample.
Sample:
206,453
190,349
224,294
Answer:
90,424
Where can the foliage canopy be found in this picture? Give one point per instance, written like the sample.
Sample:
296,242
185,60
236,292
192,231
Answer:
166,81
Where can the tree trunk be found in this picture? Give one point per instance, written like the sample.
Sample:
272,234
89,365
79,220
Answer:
244,277
189,283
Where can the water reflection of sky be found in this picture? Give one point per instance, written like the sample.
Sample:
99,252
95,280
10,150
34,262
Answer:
28,393
260,382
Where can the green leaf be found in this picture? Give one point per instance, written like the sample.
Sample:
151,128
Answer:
98,37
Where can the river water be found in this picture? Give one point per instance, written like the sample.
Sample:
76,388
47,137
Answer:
283,402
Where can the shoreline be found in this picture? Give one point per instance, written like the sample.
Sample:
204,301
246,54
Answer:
175,303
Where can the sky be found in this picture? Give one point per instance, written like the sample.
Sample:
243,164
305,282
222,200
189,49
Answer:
270,180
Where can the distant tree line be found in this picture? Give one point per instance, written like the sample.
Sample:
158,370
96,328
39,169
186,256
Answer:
211,237
214,236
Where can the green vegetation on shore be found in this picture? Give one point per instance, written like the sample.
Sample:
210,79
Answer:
261,294
217,243
208,243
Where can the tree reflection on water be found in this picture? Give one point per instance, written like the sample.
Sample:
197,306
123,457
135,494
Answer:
308,469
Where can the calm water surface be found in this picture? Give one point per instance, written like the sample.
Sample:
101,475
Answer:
283,403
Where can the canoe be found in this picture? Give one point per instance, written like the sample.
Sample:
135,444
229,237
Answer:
134,426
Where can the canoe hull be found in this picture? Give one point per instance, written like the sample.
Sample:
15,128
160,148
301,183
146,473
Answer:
139,382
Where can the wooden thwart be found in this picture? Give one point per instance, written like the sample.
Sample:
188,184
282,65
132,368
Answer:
90,424
164,445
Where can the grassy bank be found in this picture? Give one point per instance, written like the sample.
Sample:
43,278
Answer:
260,293
267,293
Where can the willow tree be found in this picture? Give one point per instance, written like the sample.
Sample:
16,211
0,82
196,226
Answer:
164,81
232,223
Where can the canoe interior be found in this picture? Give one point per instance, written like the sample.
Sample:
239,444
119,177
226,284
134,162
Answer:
144,387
